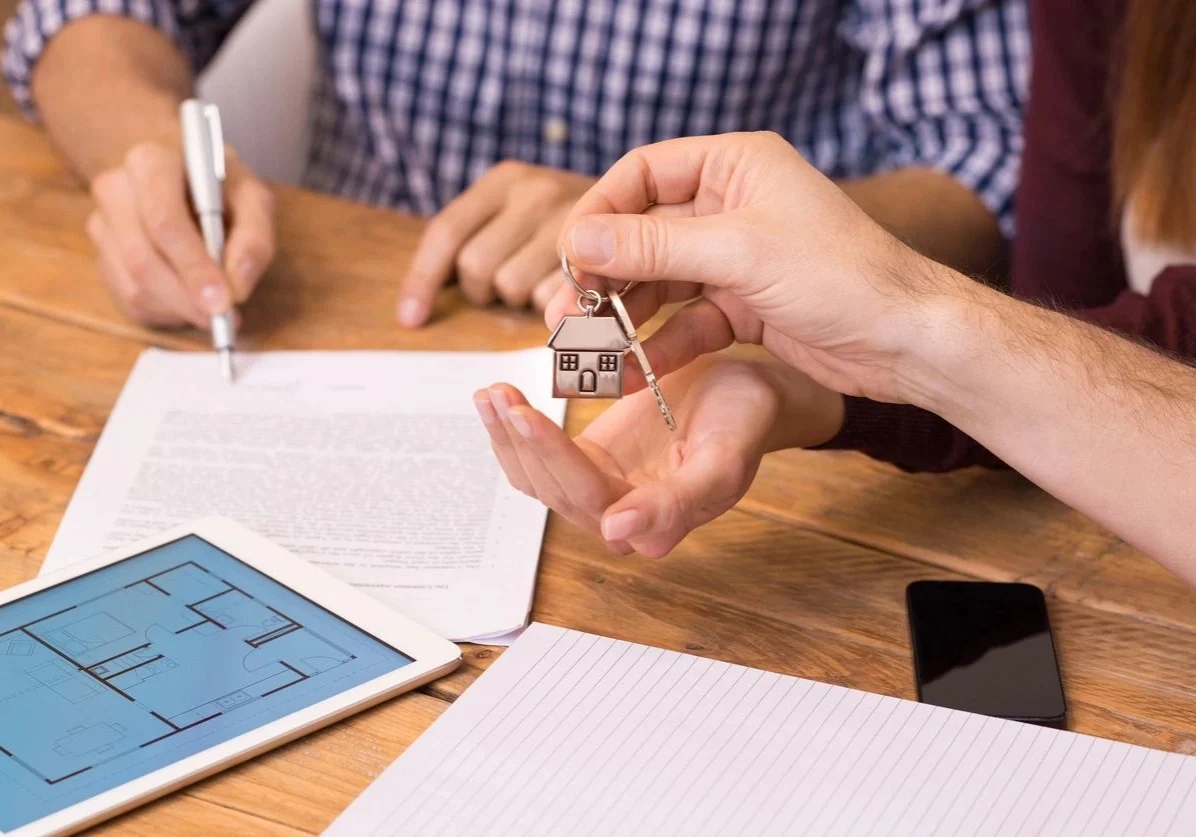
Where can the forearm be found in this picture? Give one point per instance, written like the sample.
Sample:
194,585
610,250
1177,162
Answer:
946,222
1103,424
916,440
105,84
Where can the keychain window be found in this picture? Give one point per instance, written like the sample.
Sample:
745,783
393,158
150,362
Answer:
608,363
569,363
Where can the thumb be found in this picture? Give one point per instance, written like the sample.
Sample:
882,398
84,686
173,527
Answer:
651,248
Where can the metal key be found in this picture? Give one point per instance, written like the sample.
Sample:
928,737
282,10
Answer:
624,318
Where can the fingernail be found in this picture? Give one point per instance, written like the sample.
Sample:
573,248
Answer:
412,313
521,424
593,242
500,402
215,298
622,525
485,410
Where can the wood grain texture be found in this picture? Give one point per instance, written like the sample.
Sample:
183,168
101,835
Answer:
806,577
747,588
987,524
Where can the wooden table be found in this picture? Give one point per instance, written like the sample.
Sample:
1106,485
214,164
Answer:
806,576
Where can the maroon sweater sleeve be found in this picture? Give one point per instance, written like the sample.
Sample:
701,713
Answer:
1166,318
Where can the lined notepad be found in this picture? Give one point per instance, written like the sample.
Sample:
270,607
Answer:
574,734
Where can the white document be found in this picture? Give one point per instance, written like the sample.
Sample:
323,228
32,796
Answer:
373,465
570,733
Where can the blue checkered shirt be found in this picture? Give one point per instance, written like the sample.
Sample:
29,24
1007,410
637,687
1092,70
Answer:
418,98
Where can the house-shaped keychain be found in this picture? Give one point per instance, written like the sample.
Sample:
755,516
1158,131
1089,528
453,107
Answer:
588,358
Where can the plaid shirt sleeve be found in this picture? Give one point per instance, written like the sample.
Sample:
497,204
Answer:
198,27
943,87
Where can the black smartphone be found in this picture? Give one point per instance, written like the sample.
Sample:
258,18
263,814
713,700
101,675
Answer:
986,647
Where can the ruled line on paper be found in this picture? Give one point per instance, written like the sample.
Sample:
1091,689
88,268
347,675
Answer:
633,683
512,792
382,823
573,734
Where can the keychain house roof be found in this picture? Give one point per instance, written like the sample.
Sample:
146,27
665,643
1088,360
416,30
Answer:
588,358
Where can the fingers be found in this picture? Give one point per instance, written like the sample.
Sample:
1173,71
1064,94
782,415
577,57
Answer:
437,253
144,285
152,252
562,304
488,264
652,248
642,303
157,174
610,231
546,289
144,308
518,278
501,443
698,329
667,172
251,243
500,237
701,170
562,476
540,459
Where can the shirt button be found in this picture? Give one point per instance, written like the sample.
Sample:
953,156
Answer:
556,131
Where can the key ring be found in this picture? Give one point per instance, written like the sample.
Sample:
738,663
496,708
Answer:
595,299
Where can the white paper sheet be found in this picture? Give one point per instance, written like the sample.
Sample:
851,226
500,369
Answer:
570,733
373,465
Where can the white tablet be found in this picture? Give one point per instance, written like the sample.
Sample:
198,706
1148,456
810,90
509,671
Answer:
132,674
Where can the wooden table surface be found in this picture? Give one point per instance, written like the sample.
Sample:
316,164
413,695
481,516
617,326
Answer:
805,577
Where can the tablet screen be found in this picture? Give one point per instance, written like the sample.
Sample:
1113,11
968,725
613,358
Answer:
112,675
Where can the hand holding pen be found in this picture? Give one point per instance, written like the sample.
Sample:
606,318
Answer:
203,154
152,255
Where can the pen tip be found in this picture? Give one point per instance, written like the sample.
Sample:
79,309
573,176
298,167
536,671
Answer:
226,365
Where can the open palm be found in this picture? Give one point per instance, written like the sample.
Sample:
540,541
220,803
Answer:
627,476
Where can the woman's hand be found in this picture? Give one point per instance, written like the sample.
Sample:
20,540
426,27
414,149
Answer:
770,250
642,486
498,237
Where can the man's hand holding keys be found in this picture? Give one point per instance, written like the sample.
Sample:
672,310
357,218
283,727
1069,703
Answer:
762,249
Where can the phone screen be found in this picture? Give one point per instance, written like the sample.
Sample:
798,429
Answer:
985,647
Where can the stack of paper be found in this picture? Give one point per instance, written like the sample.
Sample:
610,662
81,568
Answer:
373,465
570,733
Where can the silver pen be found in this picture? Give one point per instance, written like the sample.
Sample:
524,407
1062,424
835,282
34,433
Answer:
203,153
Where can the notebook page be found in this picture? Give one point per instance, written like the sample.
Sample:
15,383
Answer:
575,734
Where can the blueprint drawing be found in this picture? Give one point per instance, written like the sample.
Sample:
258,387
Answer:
142,663
129,668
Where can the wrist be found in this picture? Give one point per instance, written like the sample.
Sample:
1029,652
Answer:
165,132
807,413
941,359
